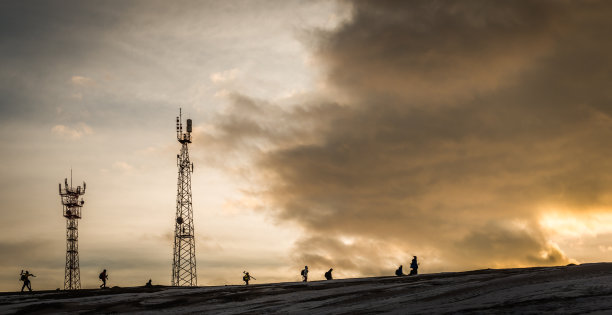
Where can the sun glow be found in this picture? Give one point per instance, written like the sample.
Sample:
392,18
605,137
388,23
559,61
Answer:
347,240
575,225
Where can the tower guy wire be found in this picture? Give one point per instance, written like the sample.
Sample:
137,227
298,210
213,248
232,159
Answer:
184,260
72,212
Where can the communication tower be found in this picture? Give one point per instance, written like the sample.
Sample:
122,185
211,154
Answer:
72,212
184,261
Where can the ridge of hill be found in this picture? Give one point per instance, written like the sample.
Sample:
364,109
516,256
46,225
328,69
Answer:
581,289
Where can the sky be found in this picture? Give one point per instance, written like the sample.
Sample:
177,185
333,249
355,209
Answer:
352,135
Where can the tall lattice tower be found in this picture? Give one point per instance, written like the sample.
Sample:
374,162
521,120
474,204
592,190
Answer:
184,262
72,212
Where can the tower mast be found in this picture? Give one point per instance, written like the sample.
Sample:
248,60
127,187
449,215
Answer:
72,212
184,261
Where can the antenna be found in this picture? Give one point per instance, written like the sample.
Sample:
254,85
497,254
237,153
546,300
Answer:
181,119
183,137
178,132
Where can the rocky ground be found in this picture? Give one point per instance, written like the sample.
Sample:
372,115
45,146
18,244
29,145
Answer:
579,289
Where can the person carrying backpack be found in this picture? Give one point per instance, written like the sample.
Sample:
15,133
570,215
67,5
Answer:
247,277
328,274
414,266
26,281
399,271
103,276
305,274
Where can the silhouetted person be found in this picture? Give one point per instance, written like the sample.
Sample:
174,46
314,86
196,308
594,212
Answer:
26,281
103,276
305,274
247,277
148,285
399,271
328,274
414,266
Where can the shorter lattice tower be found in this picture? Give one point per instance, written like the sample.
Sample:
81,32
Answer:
184,260
72,212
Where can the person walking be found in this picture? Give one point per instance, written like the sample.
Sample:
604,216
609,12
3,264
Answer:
305,274
26,281
414,266
328,274
103,276
247,277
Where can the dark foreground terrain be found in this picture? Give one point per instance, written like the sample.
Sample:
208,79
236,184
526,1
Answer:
579,289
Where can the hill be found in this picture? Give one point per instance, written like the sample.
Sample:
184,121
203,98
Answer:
568,289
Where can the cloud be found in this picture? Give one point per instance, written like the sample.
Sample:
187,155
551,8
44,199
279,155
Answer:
506,246
81,81
122,166
430,51
72,133
224,76
451,125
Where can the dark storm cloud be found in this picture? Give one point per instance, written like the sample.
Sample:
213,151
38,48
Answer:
464,122
506,246
428,51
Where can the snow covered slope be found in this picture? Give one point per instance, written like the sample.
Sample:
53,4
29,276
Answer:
573,289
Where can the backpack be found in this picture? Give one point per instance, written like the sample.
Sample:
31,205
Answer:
23,277
245,278
302,272
101,276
